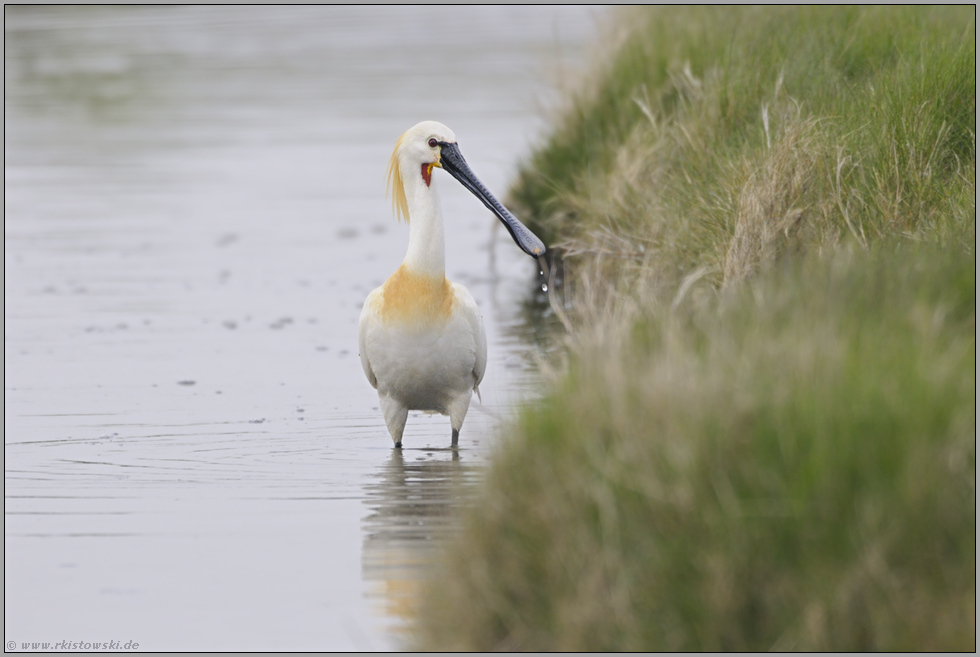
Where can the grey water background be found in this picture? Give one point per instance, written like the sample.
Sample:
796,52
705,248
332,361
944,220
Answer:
194,211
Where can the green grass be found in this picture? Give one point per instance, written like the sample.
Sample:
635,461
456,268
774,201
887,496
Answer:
868,133
763,431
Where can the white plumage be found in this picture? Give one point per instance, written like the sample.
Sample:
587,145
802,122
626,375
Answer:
421,338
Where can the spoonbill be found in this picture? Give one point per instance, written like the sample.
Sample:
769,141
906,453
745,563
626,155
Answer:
421,338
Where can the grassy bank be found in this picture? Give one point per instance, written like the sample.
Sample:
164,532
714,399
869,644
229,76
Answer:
722,137
763,435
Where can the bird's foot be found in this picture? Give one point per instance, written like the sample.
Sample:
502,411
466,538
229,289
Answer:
398,445
455,437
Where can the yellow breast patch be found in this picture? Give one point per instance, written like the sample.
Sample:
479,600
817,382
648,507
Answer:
410,297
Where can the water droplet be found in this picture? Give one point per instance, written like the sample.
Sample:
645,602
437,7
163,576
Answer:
540,272
544,287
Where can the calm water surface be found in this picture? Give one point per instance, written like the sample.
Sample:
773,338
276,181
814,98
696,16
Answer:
194,212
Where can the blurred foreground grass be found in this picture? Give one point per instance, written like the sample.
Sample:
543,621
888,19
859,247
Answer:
790,468
764,432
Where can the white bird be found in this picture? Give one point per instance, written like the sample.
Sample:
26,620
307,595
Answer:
421,338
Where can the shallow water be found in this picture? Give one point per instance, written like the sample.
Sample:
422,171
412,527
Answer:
194,213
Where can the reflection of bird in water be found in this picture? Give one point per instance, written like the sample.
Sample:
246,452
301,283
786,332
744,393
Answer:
413,508
421,338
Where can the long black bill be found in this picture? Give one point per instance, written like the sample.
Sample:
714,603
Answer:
453,162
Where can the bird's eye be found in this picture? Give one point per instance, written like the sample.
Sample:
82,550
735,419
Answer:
432,142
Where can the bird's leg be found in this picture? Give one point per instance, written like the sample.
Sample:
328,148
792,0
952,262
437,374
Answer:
457,413
395,417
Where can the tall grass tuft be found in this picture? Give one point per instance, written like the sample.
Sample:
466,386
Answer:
763,434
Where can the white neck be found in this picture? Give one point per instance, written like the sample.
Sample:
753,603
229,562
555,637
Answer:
426,239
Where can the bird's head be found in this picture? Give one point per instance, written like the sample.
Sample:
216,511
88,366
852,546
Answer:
416,153
430,144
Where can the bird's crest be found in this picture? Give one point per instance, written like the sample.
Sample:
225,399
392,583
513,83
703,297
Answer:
396,187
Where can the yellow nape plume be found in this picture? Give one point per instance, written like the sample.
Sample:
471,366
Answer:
399,202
